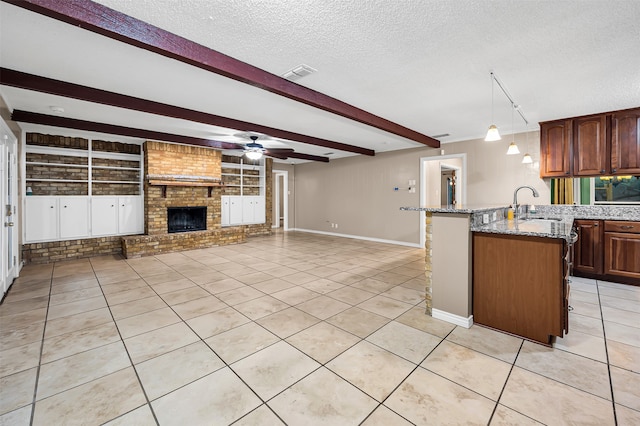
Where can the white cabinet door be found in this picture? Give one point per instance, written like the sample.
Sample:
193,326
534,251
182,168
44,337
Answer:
130,215
258,209
224,210
41,217
235,210
247,209
253,210
104,216
74,217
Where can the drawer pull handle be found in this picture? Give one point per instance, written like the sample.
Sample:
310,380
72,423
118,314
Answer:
626,226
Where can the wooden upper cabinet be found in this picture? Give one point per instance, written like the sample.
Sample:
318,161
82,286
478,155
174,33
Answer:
594,145
555,148
625,142
590,146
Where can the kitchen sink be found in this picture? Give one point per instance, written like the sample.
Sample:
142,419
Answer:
542,220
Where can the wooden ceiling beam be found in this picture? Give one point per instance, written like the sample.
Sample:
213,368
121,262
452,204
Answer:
91,126
27,81
303,156
118,26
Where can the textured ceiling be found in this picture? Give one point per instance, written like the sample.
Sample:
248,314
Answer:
422,64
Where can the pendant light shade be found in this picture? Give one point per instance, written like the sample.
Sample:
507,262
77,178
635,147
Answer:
513,149
492,134
527,159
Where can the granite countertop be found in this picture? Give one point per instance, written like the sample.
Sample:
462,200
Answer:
559,227
492,218
455,208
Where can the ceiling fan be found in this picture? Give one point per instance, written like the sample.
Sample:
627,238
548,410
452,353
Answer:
254,150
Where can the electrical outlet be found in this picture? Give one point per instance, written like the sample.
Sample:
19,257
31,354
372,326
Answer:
485,218
495,216
336,225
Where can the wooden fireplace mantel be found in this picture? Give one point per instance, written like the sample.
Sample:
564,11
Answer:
210,183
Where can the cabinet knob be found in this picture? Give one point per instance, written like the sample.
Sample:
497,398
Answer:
595,224
51,207
567,173
614,170
602,171
65,207
626,227
111,205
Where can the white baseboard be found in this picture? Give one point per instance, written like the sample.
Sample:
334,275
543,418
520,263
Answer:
358,237
453,319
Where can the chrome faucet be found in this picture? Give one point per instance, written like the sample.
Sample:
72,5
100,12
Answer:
515,197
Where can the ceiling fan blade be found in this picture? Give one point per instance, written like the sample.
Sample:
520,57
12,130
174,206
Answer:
281,150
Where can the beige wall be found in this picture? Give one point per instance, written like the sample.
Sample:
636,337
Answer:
357,192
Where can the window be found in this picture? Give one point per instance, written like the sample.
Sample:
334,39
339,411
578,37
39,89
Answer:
615,190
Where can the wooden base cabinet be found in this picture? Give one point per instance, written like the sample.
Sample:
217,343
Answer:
520,285
622,249
587,251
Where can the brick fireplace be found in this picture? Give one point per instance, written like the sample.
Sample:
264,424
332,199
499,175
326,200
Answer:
181,176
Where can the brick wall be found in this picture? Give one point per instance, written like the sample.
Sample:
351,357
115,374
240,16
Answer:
71,249
181,160
145,245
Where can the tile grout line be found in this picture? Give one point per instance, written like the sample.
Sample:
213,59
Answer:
606,352
513,364
44,330
146,397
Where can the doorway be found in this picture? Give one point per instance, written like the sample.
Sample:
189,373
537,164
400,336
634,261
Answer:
280,199
449,188
8,208
443,181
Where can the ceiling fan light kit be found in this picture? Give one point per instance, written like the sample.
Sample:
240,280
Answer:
254,150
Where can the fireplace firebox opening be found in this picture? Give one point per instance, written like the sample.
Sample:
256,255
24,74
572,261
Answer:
186,219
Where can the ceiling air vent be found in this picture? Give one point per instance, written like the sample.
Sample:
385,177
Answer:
299,72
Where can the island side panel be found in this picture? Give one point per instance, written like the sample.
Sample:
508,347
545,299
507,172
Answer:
518,285
451,274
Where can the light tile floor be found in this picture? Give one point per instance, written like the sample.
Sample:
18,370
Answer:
296,329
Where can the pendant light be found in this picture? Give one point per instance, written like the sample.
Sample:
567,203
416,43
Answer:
527,158
492,134
513,148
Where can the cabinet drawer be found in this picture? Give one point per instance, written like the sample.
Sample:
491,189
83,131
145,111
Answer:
622,226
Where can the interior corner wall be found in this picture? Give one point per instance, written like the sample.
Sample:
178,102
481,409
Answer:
357,193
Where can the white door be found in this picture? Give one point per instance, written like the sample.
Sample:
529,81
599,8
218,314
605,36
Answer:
104,216
74,217
8,206
130,215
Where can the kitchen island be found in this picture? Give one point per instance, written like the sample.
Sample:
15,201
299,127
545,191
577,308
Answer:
505,274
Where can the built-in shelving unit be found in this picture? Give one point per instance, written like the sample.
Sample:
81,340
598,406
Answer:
81,188
243,191
243,177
